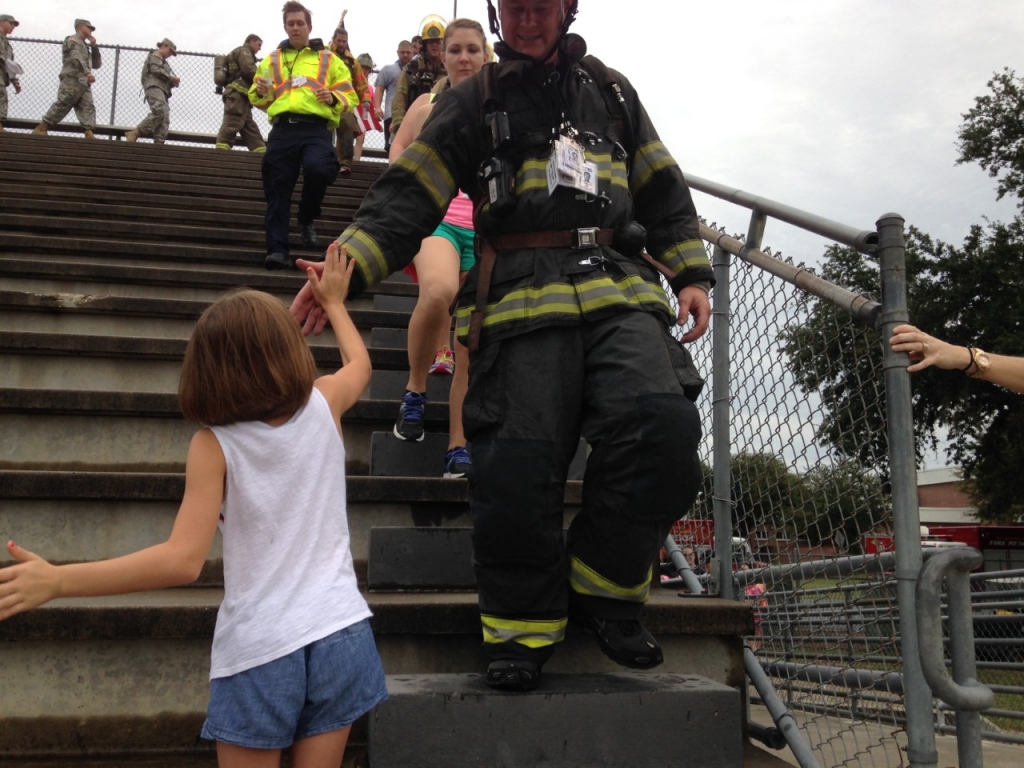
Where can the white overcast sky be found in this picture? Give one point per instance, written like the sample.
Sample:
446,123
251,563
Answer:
847,108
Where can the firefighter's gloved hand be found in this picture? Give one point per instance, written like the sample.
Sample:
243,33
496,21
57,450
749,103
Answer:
693,301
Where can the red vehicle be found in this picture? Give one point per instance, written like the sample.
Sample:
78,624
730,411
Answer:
699,533
1001,545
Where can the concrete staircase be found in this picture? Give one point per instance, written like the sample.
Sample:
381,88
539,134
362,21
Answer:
108,252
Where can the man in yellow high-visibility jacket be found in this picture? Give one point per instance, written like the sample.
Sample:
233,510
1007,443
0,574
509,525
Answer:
304,88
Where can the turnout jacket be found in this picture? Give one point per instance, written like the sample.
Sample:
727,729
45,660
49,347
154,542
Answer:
537,287
80,59
317,65
241,68
417,77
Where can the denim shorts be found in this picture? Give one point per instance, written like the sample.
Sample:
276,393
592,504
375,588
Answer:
322,687
462,239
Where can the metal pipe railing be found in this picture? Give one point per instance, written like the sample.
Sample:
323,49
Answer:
686,574
780,713
721,419
963,691
864,241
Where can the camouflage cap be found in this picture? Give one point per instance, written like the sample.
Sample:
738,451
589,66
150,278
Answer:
170,44
8,17
366,62
83,22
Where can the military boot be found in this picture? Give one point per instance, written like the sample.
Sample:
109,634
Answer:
41,129
90,135
131,137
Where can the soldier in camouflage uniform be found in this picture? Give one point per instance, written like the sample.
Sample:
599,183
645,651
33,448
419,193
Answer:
81,57
7,25
237,108
420,74
157,81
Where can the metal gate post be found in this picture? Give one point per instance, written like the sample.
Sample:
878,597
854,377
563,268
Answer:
113,90
906,515
720,427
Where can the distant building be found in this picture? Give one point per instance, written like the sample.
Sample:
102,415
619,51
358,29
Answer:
941,498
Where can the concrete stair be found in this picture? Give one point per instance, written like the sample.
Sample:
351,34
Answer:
108,252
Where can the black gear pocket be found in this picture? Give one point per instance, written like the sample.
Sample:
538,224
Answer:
686,371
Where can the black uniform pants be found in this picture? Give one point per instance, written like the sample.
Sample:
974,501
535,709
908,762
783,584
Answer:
619,381
294,147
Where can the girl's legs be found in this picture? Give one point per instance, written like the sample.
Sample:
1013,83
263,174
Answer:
234,756
456,396
437,266
325,750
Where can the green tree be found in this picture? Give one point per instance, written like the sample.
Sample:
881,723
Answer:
968,295
845,502
992,133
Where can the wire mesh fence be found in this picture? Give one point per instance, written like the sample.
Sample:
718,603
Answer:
195,107
810,485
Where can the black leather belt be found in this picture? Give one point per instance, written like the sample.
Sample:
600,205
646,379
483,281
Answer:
295,117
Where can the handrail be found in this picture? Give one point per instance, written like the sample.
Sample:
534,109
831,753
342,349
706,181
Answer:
690,580
861,307
864,241
967,694
781,715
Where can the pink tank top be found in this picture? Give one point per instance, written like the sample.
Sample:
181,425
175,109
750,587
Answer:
460,211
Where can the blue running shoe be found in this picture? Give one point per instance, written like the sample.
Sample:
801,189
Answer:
457,462
410,417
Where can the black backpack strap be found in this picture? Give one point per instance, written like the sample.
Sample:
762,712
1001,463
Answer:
616,105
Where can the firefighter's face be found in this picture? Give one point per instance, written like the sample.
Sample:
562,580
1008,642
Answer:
532,27
255,45
341,41
432,48
297,29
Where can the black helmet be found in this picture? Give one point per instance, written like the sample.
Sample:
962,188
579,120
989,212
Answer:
505,51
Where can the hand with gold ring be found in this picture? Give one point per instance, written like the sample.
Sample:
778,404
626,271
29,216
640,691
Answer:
926,351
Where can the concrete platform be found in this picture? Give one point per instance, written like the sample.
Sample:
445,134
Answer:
612,720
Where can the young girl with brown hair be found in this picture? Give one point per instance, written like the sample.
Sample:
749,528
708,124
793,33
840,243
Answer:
293,661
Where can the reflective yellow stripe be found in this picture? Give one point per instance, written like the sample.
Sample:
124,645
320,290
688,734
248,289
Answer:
275,66
648,160
684,255
529,632
568,299
368,255
587,581
423,162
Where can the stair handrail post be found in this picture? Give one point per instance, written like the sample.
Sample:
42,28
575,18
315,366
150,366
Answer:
113,91
720,425
891,252
963,692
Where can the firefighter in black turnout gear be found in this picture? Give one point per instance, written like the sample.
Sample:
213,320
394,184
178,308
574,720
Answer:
568,327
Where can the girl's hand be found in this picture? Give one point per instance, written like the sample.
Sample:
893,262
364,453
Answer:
331,287
926,351
30,583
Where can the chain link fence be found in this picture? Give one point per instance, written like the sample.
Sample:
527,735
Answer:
195,107
810,487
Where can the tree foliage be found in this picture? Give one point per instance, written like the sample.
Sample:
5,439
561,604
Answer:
992,133
969,296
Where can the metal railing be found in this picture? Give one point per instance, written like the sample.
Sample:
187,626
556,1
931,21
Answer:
196,110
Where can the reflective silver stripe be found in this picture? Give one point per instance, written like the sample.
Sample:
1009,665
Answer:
648,160
685,255
367,253
426,165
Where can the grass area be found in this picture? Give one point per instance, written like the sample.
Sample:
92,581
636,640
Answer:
1014,701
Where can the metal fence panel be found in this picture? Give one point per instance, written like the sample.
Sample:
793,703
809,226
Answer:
117,92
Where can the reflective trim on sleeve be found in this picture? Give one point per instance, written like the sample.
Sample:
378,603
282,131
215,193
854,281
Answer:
685,255
275,67
423,162
648,160
325,64
532,633
586,581
367,253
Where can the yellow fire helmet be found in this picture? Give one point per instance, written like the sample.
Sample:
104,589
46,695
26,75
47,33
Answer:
432,28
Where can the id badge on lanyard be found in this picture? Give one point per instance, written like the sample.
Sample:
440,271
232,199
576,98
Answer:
568,167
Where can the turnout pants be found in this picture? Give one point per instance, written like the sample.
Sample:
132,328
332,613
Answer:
238,120
619,382
73,94
294,147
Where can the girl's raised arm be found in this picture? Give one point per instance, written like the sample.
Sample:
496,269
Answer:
344,387
33,581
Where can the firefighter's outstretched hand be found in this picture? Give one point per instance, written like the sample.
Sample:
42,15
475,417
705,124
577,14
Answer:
304,308
693,302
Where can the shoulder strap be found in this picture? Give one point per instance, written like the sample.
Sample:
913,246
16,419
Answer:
611,92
